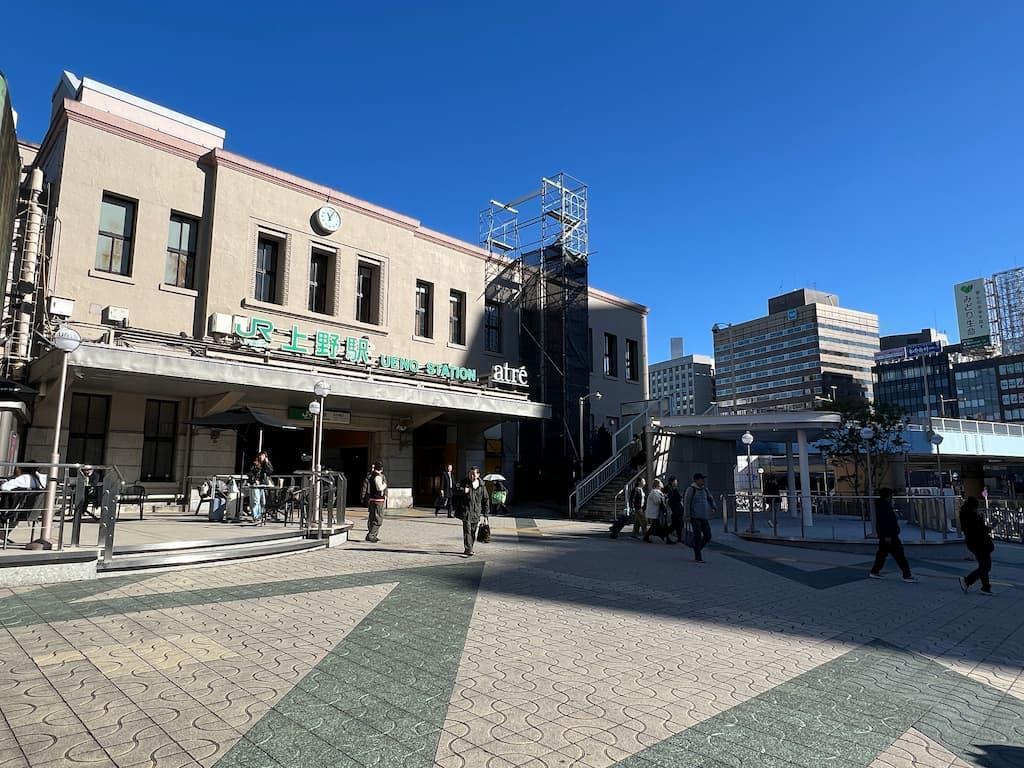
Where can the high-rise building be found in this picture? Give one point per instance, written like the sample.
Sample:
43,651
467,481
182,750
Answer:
806,348
685,382
990,313
991,389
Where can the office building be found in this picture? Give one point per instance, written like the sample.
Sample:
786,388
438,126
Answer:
685,383
201,280
991,389
806,348
900,370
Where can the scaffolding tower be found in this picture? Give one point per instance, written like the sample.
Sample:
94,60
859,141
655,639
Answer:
538,251
1008,290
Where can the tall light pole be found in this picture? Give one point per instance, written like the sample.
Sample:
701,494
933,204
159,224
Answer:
748,440
321,389
867,434
583,400
66,340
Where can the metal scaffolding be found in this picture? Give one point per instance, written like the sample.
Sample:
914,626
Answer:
538,249
1008,296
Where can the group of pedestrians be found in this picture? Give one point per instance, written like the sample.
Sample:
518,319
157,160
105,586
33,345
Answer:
977,537
468,500
666,510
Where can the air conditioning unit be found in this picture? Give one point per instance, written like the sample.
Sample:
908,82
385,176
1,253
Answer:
58,307
220,324
115,316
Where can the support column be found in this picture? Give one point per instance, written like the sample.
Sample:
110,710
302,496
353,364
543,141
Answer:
805,478
790,481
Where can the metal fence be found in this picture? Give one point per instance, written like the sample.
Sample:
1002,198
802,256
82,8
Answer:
78,491
1006,519
315,503
838,518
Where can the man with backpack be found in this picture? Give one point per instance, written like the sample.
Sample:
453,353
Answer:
375,496
698,506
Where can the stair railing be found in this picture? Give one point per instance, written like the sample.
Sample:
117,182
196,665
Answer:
622,452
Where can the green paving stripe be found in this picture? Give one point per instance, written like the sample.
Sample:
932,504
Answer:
381,696
848,711
824,578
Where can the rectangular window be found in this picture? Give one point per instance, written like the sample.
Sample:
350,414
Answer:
158,438
633,361
457,317
180,268
321,275
492,326
368,293
424,309
268,251
611,355
114,243
87,428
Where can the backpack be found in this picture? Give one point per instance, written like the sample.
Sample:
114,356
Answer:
364,492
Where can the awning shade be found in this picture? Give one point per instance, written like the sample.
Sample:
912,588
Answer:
238,418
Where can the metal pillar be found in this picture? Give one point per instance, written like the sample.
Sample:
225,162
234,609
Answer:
790,481
805,478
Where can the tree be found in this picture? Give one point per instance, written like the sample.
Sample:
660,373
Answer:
845,442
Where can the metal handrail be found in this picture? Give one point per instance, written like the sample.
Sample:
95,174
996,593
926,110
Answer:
589,486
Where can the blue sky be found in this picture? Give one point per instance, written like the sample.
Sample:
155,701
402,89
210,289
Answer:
733,150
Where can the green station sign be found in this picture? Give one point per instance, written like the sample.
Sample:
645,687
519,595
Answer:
262,333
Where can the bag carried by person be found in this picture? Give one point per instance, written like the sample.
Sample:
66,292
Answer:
483,533
688,537
364,491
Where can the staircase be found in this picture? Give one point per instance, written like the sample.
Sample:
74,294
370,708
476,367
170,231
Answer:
610,500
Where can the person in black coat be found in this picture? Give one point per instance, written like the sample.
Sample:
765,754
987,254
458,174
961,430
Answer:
444,499
978,538
675,505
888,529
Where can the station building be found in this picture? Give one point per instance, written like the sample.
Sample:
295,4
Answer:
201,280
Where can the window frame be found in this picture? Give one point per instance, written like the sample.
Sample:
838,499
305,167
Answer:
127,241
611,355
423,320
457,317
370,297
179,252
275,273
493,331
633,360
319,286
80,455
151,442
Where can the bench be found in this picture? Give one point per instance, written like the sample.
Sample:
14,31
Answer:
132,494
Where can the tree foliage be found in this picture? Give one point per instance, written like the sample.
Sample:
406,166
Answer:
846,445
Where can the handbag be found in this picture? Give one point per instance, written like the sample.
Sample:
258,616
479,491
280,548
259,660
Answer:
688,537
483,533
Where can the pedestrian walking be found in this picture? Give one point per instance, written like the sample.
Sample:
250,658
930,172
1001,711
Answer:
375,496
675,505
498,498
638,502
258,475
978,537
656,512
698,506
889,543
476,505
444,499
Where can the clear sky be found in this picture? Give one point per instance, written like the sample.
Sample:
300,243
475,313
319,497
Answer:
733,150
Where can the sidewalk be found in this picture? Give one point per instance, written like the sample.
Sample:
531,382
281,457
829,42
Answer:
555,646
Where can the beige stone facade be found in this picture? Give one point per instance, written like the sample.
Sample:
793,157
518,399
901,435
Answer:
264,300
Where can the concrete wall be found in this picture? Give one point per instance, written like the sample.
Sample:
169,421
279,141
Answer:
714,458
626,321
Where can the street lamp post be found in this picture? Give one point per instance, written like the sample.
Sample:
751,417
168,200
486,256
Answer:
867,434
583,400
66,340
748,439
321,389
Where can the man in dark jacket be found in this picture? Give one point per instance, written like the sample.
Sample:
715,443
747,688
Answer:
978,539
888,529
444,501
476,505
675,504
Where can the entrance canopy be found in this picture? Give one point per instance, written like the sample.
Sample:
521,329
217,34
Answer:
772,427
239,418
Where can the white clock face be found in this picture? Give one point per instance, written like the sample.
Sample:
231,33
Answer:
328,219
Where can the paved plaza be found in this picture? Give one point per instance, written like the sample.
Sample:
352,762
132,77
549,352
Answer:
554,646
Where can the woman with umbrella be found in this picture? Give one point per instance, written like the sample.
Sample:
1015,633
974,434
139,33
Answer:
499,493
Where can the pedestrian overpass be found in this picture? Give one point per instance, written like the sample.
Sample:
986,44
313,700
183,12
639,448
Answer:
963,438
